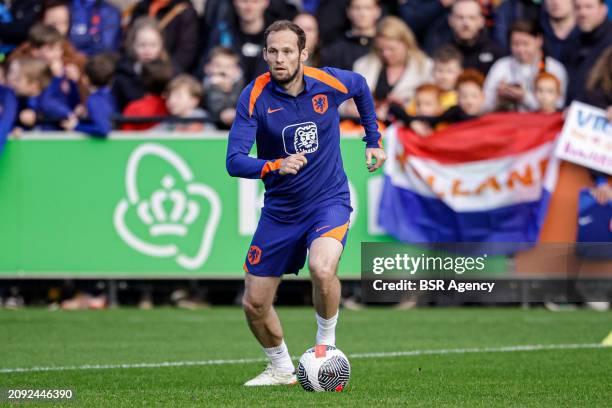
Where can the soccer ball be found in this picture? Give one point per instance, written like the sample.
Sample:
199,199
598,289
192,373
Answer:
323,368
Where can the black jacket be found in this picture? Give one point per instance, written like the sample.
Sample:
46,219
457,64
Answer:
127,86
181,34
585,51
24,14
343,52
480,55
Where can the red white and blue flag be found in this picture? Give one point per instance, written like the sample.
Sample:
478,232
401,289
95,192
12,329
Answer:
485,180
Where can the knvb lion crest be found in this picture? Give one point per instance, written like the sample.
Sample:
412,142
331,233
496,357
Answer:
155,224
319,103
301,138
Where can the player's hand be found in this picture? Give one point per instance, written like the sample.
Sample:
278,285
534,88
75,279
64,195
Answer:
375,153
292,164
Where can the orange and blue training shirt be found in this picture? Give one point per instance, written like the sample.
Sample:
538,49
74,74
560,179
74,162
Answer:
282,125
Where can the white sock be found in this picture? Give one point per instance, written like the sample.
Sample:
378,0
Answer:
326,330
280,358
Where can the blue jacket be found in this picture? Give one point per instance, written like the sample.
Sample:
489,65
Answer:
56,102
101,107
309,123
8,113
95,26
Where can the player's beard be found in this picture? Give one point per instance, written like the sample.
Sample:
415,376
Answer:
291,77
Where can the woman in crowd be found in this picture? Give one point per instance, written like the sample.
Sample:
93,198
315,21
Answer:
599,93
309,24
396,66
510,82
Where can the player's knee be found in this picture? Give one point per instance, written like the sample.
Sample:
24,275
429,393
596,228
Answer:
254,308
322,272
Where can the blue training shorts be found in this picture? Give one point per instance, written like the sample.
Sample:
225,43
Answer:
278,248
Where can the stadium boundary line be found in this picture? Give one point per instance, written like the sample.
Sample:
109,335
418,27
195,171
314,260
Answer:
382,354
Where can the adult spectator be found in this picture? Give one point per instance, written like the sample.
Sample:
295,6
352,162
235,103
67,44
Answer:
396,67
510,84
598,90
143,44
422,15
308,23
179,24
331,15
56,13
467,33
244,33
507,13
595,36
16,18
558,23
357,42
223,10
95,26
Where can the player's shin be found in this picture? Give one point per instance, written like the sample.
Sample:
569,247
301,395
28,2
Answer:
326,330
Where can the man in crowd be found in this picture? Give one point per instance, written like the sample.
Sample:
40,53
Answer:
245,35
466,31
558,21
357,42
595,36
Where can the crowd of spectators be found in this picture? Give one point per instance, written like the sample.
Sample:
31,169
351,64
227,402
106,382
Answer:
96,65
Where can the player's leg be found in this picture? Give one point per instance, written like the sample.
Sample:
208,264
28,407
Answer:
263,321
323,263
257,303
327,238
269,256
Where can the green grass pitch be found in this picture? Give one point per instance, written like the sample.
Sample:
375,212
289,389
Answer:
580,377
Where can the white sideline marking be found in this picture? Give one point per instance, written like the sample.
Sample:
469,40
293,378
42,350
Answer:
505,349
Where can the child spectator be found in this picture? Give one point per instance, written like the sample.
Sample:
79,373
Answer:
101,105
470,100
31,78
95,26
47,43
547,92
155,77
447,67
448,61
470,97
223,83
427,103
183,96
8,113
179,23
144,43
